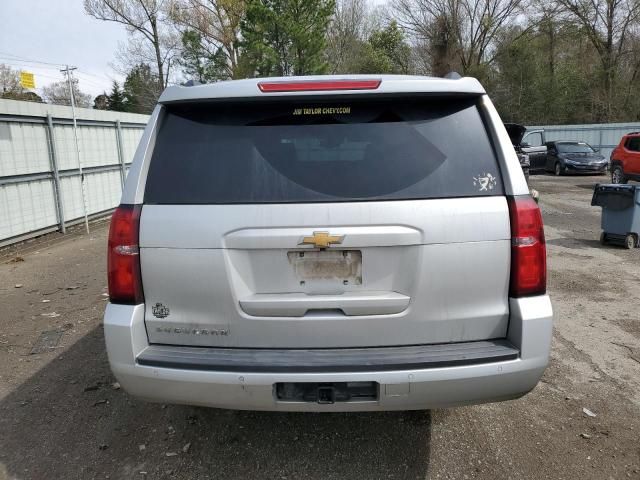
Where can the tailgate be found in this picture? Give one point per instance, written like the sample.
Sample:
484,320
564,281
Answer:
298,225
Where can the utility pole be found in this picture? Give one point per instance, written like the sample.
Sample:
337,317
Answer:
68,71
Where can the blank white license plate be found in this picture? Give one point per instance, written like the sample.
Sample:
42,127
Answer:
328,265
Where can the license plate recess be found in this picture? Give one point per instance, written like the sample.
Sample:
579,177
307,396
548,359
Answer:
343,266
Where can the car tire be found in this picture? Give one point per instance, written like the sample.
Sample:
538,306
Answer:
630,241
557,169
617,175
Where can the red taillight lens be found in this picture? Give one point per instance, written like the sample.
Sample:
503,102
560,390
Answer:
123,257
528,250
318,85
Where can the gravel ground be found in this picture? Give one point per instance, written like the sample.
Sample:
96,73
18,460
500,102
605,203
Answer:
61,416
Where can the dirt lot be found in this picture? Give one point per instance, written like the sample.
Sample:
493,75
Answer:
62,417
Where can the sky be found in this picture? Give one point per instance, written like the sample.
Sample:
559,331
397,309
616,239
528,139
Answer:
59,32
41,36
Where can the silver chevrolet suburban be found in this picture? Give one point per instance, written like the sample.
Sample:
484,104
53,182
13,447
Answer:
339,243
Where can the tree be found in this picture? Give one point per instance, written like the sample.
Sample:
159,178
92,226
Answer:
607,24
442,46
58,94
115,99
286,37
147,22
544,76
200,64
9,81
468,27
347,34
215,25
101,102
140,92
386,52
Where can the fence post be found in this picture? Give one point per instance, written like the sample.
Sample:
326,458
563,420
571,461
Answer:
53,156
123,172
600,139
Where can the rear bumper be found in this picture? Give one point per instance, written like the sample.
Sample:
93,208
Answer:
530,331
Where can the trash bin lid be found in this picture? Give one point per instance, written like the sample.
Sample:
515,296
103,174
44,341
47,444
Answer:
614,196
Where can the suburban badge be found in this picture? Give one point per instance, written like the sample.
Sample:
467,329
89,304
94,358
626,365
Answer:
160,311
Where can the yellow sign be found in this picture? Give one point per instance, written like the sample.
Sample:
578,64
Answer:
27,80
321,239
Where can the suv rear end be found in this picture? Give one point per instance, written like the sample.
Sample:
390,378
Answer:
625,159
327,244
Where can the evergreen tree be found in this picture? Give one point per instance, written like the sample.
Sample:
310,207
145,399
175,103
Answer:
140,90
286,37
115,99
386,52
199,64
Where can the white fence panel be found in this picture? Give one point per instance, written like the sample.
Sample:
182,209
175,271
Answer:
105,190
36,140
23,149
130,140
26,207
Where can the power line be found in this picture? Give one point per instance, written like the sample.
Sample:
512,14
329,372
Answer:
82,78
18,57
13,61
84,72
16,61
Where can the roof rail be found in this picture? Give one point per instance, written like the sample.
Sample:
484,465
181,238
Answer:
453,76
633,133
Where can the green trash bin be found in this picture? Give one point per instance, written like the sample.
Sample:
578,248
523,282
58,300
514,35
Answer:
620,213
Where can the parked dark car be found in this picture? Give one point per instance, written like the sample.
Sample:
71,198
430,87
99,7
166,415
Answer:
565,157
529,143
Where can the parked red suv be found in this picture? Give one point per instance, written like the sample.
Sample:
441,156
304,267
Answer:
625,159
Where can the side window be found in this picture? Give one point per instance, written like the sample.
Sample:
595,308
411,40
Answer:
633,144
534,139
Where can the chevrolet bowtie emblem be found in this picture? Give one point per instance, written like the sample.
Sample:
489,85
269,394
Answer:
321,239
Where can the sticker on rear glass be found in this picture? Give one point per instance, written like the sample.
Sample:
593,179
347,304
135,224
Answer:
322,111
485,182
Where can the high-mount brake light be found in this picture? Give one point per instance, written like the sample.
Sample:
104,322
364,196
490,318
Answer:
528,249
123,258
318,85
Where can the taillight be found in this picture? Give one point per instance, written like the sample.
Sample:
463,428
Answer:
528,250
318,85
123,257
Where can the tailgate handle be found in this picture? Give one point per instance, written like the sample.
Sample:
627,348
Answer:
349,303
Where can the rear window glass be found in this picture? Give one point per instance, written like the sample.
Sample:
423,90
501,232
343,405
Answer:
342,150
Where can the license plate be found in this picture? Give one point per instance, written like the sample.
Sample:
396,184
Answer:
344,266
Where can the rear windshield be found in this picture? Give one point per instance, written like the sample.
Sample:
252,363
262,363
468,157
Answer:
341,150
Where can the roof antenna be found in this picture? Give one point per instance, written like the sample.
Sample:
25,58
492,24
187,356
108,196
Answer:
191,83
453,76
